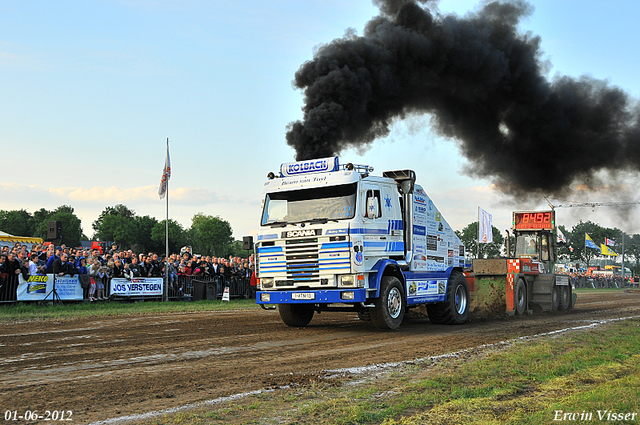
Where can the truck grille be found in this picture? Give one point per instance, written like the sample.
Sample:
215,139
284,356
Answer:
306,261
302,260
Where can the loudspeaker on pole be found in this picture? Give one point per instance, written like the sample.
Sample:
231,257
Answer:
54,229
247,243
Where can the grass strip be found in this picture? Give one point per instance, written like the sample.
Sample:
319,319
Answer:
68,311
71,310
603,290
580,377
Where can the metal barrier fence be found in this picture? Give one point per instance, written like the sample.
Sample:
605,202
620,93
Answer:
600,282
193,288
8,287
210,288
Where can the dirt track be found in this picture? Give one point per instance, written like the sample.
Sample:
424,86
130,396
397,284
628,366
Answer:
101,369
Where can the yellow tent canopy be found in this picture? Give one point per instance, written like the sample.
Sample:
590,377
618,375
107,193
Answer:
5,237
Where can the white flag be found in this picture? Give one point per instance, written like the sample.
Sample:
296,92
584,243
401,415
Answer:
166,175
561,237
485,228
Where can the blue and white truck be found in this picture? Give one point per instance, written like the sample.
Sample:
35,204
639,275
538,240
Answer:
334,237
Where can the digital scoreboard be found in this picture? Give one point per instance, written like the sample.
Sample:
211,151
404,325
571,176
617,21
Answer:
534,220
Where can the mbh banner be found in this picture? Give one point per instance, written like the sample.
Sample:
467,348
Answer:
40,287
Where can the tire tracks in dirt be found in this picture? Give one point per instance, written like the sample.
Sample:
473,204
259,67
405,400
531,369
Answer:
120,366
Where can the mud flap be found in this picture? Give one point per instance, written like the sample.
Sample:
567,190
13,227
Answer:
510,296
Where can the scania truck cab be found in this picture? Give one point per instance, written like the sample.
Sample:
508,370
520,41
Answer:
335,237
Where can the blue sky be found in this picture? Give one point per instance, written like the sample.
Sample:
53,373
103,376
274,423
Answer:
90,91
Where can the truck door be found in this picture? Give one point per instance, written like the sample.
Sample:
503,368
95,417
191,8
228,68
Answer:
382,221
392,215
375,229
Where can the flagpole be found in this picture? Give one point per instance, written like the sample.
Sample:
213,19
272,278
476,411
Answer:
166,259
623,259
478,244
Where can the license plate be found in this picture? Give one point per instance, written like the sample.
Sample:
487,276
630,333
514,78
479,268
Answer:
303,296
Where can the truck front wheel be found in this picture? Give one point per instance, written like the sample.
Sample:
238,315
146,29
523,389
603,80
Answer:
296,315
364,315
390,305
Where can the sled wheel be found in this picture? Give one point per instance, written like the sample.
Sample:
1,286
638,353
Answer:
565,298
521,297
555,298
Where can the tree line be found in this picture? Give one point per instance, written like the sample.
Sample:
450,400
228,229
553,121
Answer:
580,254
210,235
207,235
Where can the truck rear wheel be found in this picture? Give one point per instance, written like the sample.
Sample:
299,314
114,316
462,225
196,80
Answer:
296,315
521,297
455,310
555,298
390,305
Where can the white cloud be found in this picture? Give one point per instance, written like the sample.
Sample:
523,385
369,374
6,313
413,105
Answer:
9,59
114,194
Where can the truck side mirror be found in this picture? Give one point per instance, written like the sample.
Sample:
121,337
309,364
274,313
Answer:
372,208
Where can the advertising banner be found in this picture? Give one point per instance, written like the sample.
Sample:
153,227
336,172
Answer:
137,287
435,244
39,288
485,228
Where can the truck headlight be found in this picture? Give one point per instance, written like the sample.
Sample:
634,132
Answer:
265,298
356,280
266,282
347,280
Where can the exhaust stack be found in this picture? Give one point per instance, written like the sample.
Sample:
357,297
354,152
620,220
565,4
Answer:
406,180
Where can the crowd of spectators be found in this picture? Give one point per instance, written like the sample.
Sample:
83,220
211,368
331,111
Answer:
101,267
595,280
62,260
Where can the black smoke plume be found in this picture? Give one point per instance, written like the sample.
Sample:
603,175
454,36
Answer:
482,82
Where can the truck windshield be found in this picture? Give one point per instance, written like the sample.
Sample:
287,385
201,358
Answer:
527,245
326,203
